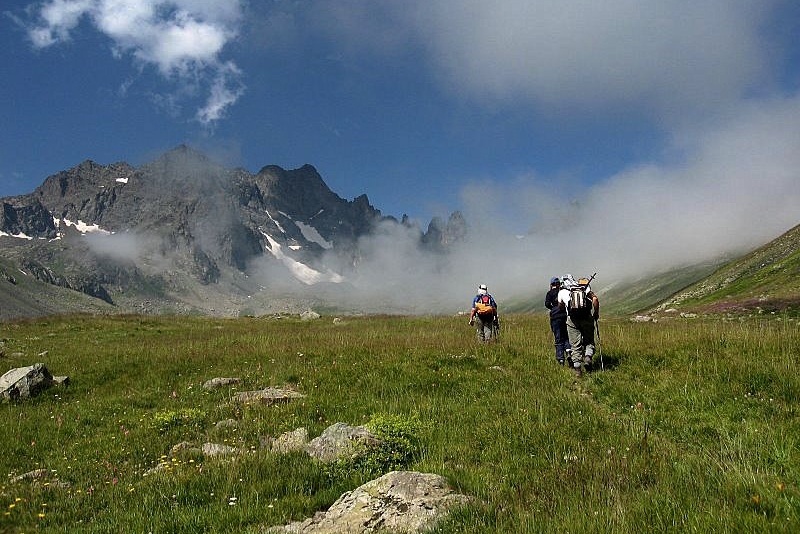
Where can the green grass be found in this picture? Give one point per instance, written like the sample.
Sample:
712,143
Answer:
692,427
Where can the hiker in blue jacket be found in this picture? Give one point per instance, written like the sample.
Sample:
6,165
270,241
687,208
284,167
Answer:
485,309
558,321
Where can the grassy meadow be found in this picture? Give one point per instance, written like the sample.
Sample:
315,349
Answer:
692,426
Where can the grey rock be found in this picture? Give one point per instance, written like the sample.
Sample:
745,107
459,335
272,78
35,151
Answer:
216,449
219,382
226,424
268,396
341,440
400,501
25,382
294,440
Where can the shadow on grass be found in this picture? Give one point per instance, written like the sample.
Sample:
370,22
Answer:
604,362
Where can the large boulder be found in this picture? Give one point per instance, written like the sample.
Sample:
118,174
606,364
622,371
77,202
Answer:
25,382
400,501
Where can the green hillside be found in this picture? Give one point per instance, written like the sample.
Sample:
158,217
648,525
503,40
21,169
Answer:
766,280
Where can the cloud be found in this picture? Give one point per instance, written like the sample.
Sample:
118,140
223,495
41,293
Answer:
597,53
570,57
182,39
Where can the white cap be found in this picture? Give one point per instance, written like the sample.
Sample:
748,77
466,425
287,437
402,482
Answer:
483,287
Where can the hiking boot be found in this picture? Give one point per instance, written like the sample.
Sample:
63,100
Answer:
577,371
560,362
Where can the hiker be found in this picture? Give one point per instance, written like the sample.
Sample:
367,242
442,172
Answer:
485,309
583,309
558,321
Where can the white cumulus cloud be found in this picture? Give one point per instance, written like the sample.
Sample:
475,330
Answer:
182,39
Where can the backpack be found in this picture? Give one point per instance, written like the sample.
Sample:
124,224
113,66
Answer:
484,305
580,305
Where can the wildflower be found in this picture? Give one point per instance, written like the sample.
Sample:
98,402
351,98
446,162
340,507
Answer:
756,499
41,515
780,486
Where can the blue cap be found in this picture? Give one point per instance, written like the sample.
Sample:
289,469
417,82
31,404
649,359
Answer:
555,280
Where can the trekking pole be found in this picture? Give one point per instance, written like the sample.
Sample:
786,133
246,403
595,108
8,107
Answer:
599,345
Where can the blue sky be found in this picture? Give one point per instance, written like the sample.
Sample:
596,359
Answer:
661,118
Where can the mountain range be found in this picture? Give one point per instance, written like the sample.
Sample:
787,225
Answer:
183,234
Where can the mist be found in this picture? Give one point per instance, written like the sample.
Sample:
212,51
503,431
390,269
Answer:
727,188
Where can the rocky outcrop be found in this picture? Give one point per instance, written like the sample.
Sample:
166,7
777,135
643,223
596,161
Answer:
30,219
400,501
25,382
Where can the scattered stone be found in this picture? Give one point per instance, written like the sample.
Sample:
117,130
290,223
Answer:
25,382
688,315
641,319
400,501
268,396
61,380
215,449
41,477
219,382
496,368
341,440
182,449
226,424
309,315
294,440
36,474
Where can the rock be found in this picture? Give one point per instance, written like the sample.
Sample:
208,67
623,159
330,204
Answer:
182,449
226,424
294,440
641,319
219,382
400,501
36,474
25,382
43,477
309,315
215,449
340,440
268,396
61,380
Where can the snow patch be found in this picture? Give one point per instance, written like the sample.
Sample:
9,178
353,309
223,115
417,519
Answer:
311,233
122,180
276,222
301,271
84,228
19,235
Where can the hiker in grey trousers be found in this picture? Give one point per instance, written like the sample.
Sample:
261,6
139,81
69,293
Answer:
580,324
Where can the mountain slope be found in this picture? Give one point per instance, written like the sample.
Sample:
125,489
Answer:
767,279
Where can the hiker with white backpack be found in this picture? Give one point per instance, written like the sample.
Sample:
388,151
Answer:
583,310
